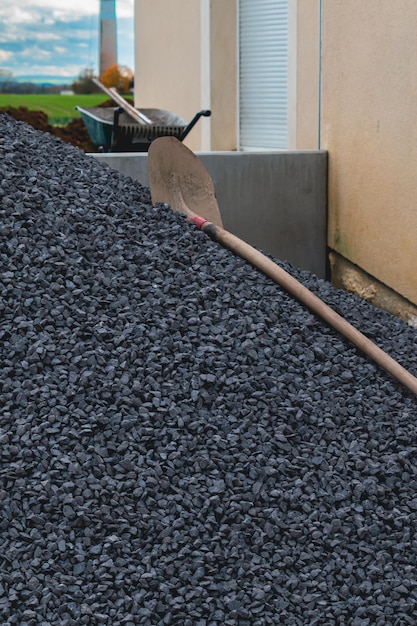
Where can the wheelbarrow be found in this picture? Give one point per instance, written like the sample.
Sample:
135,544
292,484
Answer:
111,129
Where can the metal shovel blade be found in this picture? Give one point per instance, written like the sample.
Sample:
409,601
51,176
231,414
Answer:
178,177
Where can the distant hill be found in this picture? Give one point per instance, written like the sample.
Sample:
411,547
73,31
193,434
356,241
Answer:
43,79
26,84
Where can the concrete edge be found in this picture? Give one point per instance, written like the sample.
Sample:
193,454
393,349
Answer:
348,276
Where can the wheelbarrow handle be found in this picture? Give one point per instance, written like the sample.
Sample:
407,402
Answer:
115,130
203,113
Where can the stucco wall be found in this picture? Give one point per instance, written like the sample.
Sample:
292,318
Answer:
167,59
223,75
185,61
369,108
303,74
360,108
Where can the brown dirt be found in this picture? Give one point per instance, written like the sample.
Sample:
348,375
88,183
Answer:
74,132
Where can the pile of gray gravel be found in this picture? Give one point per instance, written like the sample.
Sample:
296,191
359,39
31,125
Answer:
182,442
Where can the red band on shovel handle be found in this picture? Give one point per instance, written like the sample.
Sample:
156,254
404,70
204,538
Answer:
199,221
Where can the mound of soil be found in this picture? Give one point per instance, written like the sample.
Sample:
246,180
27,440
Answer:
74,133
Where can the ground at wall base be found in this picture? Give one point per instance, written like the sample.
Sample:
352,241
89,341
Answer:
345,275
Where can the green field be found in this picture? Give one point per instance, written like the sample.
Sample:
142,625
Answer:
59,109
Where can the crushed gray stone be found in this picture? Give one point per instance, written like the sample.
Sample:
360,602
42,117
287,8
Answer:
181,441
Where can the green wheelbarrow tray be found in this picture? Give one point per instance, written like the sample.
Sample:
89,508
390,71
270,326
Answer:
112,130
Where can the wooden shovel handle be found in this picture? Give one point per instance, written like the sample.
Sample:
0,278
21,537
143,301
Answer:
135,114
304,295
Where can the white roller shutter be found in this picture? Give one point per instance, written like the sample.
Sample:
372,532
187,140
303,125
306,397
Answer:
263,74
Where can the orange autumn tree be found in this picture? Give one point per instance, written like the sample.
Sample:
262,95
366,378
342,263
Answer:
118,76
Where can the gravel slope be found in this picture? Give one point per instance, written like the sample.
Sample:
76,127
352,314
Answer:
181,442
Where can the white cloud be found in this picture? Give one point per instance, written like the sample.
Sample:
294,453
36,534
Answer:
15,15
35,53
125,8
70,71
45,36
65,31
19,35
22,13
4,55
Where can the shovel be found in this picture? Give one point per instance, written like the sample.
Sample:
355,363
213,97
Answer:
178,177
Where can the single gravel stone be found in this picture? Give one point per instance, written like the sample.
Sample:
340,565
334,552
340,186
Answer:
181,441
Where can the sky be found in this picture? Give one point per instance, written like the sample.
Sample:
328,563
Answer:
59,37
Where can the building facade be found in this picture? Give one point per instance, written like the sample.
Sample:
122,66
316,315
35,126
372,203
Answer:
254,64
300,75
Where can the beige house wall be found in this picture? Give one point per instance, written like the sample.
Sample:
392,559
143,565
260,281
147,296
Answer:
167,58
185,61
352,91
308,74
303,74
369,108
223,75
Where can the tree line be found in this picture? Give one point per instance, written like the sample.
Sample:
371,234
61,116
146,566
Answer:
118,76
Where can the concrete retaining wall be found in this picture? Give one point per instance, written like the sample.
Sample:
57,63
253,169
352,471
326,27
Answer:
276,201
